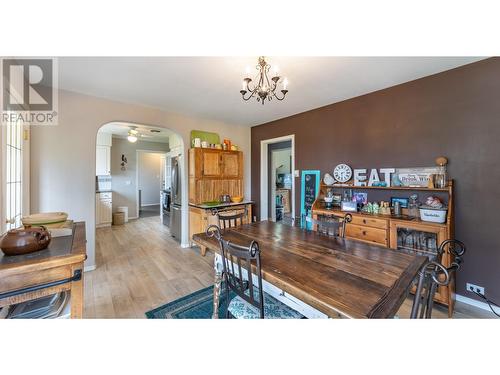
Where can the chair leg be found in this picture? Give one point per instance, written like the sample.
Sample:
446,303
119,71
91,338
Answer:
227,303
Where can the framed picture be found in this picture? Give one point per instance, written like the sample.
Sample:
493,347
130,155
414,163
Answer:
402,201
360,198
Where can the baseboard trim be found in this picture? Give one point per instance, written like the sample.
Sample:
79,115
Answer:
185,245
133,218
89,268
472,302
151,204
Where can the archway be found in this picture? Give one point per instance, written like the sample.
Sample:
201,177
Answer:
176,148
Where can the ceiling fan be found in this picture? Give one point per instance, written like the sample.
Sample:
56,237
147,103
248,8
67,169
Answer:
134,134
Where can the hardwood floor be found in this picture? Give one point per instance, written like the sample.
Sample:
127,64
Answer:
140,267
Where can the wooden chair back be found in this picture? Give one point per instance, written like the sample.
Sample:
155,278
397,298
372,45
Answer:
232,220
330,225
432,275
237,262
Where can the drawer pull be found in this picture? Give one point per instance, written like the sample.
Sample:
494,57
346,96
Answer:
364,233
364,221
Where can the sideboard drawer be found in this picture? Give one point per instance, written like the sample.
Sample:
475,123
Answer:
365,233
369,222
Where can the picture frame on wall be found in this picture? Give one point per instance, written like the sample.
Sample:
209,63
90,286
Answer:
402,201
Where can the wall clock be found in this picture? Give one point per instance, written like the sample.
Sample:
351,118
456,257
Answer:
342,173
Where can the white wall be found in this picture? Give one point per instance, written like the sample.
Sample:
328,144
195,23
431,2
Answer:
149,181
63,156
124,182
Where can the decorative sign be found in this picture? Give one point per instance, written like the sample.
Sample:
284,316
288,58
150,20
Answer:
416,177
308,193
360,176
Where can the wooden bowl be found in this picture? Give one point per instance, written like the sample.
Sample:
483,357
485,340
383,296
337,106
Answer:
236,199
44,218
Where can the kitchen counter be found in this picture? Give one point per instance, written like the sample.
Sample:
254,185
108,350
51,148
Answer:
220,205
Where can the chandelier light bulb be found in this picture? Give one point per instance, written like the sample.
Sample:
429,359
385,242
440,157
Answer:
132,138
285,83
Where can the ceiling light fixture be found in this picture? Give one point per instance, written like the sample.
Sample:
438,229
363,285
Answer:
265,87
132,135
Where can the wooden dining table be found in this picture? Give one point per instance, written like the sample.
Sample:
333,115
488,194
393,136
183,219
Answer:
331,275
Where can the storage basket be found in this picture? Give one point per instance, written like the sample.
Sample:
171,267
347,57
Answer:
433,215
119,218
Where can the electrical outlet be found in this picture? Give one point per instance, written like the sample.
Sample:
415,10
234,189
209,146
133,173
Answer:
474,288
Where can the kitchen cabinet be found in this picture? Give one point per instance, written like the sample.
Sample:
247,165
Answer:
214,172
103,161
103,209
231,164
213,163
103,154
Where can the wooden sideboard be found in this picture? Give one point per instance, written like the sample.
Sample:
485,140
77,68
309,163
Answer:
214,172
386,230
56,269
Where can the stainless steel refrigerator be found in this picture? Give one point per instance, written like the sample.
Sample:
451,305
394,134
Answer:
176,207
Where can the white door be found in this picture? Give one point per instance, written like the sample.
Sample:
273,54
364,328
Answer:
14,174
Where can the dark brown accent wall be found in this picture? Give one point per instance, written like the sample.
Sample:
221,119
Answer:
455,113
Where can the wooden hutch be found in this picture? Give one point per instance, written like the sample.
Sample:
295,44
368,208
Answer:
213,172
391,231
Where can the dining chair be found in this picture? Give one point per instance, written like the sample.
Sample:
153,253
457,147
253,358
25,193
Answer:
434,274
249,301
330,225
231,220
289,220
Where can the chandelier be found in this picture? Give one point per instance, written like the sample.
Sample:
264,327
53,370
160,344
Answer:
265,88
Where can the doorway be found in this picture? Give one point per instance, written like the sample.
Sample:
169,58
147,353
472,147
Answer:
277,181
280,181
150,182
130,171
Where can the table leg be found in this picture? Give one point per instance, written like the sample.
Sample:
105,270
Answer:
77,294
203,250
217,287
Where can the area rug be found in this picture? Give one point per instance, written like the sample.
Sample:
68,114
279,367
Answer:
198,305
